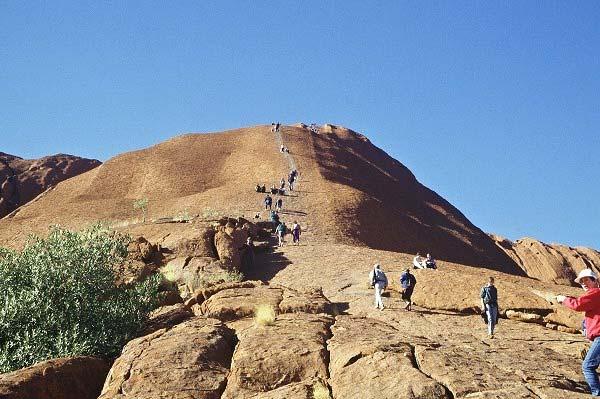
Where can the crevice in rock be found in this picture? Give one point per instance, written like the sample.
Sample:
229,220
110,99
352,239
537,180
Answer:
353,359
415,362
235,343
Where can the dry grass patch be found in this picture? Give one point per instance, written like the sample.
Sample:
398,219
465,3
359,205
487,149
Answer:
264,315
320,391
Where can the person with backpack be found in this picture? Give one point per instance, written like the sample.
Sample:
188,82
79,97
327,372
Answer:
296,233
379,281
589,303
408,282
274,217
489,305
268,202
280,230
278,204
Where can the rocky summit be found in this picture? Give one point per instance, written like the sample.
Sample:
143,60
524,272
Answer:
265,321
22,180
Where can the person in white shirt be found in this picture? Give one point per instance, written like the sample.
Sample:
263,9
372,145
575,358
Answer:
379,281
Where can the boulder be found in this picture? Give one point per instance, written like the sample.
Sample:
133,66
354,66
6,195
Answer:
142,250
190,274
370,359
309,301
228,242
64,378
290,351
236,303
166,317
189,361
201,245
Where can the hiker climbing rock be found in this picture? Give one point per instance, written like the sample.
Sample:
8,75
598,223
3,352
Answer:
379,281
280,230
268,202
248,254
274,217
278,204
489,305
589,303
408,282
296,233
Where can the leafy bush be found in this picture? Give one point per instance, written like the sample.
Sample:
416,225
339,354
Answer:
58,298
264,315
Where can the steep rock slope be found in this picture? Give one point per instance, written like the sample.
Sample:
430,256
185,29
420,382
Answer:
549,262
350,192
21,180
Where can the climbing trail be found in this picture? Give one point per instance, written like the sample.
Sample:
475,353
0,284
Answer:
287,155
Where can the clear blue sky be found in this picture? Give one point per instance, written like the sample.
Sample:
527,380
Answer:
494,105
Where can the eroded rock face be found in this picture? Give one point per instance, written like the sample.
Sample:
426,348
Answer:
22,180
370,359
549,262
189,361
237,303
65,378
290,351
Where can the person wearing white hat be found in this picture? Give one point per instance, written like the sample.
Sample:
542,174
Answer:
589,303
379,281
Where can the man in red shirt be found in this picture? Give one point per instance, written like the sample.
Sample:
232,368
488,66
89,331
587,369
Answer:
589,303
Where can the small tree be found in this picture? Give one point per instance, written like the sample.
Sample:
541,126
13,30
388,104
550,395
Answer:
58,298
141,204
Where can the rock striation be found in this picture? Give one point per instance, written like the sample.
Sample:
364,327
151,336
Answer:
549,262
23,180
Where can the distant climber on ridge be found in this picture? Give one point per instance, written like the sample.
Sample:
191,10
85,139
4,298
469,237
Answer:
296,231
268,202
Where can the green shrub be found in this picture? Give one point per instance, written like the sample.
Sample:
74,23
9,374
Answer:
58,298
141,204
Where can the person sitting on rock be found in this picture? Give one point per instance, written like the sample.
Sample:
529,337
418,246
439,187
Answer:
278,204
263,189
280,230
268,202
418,262
258,188
408,282
296,233
430,262
489,305
589,303
379,281
274,190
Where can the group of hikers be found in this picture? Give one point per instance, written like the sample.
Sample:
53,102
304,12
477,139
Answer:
424,263
589,303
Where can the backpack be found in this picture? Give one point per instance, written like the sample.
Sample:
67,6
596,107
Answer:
374,279
489,295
